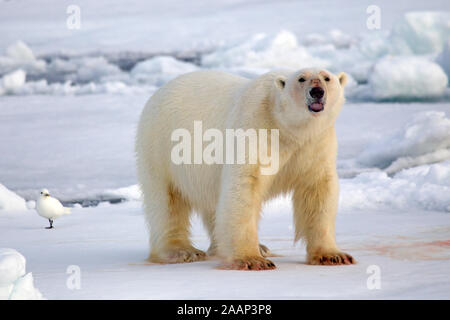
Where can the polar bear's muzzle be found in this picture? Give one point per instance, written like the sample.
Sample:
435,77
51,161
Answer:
315,99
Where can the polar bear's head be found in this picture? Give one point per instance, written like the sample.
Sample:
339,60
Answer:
309,95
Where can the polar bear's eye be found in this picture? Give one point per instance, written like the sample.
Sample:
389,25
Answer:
327,79
301,80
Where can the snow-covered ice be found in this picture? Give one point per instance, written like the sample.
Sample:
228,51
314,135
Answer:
10,201
98,149
13,80
399,223
426,187
159,70
15,283
421,32
405,60
263,53
407,78
130,193
109,245
424,139
443,59
80,92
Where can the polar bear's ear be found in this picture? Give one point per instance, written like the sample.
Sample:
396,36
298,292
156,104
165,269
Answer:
342,78
280,82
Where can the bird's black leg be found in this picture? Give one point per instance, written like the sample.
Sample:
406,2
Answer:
51,224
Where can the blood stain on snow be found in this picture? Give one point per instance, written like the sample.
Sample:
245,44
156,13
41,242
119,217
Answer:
431,250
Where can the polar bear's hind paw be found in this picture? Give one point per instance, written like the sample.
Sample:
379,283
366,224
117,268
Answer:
184,255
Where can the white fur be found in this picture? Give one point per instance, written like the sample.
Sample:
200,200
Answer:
229,197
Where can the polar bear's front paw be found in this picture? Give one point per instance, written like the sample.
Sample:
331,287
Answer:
251,263
331,258
184,255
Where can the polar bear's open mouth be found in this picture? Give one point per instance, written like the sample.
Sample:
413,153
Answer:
316,107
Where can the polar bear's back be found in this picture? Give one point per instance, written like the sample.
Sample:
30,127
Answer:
208,87
194,96
197,96
206,96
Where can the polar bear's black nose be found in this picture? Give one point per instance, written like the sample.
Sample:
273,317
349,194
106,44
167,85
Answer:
316,92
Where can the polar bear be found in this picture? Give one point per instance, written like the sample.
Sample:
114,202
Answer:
302,106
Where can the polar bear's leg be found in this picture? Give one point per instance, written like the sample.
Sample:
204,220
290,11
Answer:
315,207
168,216
209,222
237,222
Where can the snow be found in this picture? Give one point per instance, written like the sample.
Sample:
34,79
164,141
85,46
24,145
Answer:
340,39
438,174
175,25
88,69
12,81
262,53
421,32
80,92
19,51
399,223
12,266
98,152
159,70
19,56
405,61
10,201
443,59
424,187
97,149
424,139
15,283
68,88
109,245
409,189
130,193
407,78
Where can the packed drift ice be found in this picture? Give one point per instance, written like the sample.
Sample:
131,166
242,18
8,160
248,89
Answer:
15,283
80,96
424,139
413,56
10,201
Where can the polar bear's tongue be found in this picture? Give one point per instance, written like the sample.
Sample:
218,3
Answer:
316,106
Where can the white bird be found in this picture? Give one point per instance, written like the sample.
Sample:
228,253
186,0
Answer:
50,208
